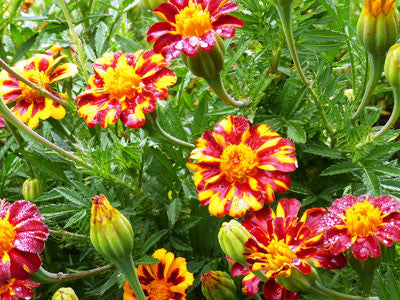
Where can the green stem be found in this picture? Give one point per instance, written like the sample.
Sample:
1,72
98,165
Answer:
351,56
323,291
393,117
217,86
375,73
285,13
127,267
173,139
45,277
76,40
66,233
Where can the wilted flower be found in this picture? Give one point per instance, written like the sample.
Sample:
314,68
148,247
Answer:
124,86
30,106
167,280
22,237
361,224
15,289
191,25
239,167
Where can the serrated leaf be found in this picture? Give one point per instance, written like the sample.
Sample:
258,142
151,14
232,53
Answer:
146,260
340,168
180,245
73,197
382,150
101,38
388,170
23,49
372,183
154,238
75,218
296,132
174,210
322,150
126,44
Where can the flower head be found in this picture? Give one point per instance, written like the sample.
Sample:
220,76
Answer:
191,24
124,86
361,224
27,4
167,280
15,289
22,237
239,167
30,106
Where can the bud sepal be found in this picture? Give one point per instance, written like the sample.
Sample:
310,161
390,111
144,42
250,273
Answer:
218,285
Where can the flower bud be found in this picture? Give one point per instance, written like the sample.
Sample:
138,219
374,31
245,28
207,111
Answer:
152,4
217,285
298,281
232,236
378,26
65,294
282,3
110,232
392,66
367,266
207,64
31,189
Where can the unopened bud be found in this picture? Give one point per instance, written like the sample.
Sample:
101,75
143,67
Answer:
218,285
65,294
110,232
31,189
392,66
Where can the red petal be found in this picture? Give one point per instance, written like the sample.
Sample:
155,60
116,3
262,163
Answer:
274,291
207,41
250,286
167,11
227,20
157,30
23,263
337,240
340,205
5,273
239,270
190,46
364,247
290,207
22,210
329,261
226,9
180,4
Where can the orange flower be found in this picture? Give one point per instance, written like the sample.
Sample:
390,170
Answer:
22,238
124,86
239,167
27,5
15,289
30,106
167,280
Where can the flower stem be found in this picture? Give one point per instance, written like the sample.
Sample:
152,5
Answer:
43,276
393,117
285,13
127,267
376,68
217,86
173,139
76,40
41,91
321,290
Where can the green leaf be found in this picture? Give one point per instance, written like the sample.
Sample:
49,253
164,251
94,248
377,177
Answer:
100,40
296,132
75,218
127,45
322,150
340,168
23,49
383,150
200,118
180,245
386,169
174,210
73,197
154,238
146,260
372,183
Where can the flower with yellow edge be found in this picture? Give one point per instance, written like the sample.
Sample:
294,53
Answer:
361,224
167,280
124,86
30,106
239,167
22,238
191,24
15,289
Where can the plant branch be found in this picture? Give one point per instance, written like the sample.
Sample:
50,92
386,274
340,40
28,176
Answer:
41,91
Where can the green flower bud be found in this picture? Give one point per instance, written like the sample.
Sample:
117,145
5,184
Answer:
207,64
298,281
64,294
232,236
218,285
378,26
152,4
392,66
31,189
282,3
110,232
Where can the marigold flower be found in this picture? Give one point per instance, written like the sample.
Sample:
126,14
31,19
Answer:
239,167
27,4
167,280
124,86
30,106
22,237
361,224
54,50
190,25
15,289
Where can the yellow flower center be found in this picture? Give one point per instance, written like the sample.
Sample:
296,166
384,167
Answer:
6,287
278,255
363,219
375,7
121,80
160,290
193,20
7,235
237,162
38,78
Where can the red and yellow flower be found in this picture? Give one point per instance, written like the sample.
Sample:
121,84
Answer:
280,243
167,280
362,224
239,167
22,238
15,289
124,86
191,24
30,106
27,4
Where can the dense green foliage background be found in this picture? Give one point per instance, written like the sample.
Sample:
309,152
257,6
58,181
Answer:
158,194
